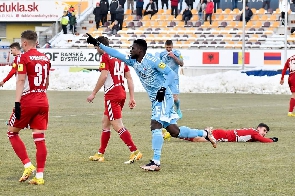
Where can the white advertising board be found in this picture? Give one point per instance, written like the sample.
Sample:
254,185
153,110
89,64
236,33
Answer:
31,10
262,59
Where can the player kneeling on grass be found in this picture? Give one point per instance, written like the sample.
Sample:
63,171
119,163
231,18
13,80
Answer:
112,74
156,78
236,135
31,106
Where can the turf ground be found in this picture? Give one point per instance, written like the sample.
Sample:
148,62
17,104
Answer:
187,168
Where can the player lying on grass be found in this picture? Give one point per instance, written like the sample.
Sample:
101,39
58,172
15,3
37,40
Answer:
156,78
236,135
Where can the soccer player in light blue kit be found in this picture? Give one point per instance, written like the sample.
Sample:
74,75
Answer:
156,77
173,59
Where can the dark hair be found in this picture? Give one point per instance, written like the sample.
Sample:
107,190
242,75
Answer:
104,40
168,42
141,43
264,125
15,45
29,35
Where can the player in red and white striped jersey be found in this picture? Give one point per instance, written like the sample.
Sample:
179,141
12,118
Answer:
31,106
113,71
16,52
290,66
240,135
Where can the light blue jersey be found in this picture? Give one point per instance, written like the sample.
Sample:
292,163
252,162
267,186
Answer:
153,74
164,56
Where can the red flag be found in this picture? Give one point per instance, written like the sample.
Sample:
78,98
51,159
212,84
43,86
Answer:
210,57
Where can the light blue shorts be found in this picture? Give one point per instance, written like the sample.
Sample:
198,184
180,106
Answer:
175,87
163,112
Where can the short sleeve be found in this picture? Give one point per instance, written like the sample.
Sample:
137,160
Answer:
126,68
21,66
104,63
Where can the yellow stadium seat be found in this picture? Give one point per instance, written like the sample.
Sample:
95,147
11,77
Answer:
194,11
179,17
160,11
272,18
236,11
258,24
218,11
220,18
128,12
261,11
227,11
253,10
168,11
255,17
195,18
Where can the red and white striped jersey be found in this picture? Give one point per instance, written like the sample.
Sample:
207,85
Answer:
114,84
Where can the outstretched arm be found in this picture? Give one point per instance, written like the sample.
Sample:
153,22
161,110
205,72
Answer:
113,52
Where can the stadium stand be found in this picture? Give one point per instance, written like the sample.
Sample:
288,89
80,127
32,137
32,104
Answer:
262,31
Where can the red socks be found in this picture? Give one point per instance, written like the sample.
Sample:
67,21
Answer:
18,147
41,151
104,140
126,137
291,105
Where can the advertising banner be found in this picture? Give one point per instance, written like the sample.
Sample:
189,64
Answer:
263,59
31,10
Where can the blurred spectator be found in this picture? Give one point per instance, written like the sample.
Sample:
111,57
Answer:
282,6
150,8
47,45
234,4
189,3
115,27
130,5
216,5
113,7
139,8
156,3
180,2
266,3
122,2
201,7
96,12
64,22
120,16
73,22
209,10
104,9
186,15
248,14
174,7
292,30
164,2
71,9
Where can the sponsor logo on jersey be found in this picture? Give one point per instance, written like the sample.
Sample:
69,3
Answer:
102,65
162,65
20,67
14,65
39,58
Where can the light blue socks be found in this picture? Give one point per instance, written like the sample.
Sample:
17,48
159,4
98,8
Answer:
186,132
157,144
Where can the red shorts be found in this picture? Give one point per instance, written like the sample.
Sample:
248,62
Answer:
113,108
291,82
36,117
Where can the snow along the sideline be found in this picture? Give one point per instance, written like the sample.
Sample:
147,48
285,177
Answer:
227,82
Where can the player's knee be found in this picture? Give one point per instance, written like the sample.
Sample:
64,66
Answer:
38,136
155,125
11,134
173,130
